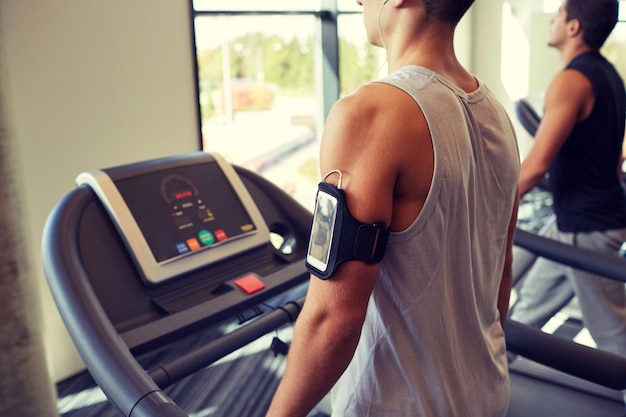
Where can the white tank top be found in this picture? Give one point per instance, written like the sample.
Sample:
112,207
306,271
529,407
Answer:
432,344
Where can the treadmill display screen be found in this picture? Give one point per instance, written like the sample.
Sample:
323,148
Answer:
187,209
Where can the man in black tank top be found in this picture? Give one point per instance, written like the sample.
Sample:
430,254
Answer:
579,144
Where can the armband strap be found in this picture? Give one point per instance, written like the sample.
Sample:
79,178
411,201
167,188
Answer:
348,238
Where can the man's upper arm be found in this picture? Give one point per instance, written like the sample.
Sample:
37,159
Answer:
565,102
352,143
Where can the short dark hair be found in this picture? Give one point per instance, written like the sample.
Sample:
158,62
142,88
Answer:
449,11
597,19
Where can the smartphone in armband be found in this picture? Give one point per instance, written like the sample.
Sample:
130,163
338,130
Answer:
337,237
322,230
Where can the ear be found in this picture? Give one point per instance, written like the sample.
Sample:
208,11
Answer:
397,3
574,28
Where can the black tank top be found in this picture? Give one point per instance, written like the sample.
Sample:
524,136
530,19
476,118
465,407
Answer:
588,195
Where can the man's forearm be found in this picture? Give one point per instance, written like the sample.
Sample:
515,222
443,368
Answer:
529,177
320,352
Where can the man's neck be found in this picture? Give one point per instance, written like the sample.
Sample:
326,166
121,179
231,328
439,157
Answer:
568,54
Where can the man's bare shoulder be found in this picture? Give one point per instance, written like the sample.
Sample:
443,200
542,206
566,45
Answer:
568,84
379,136
571,93
374,108
367,98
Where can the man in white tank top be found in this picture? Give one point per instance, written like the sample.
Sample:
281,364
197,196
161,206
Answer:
431,153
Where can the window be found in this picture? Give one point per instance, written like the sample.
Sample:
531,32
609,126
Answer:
359,62
615,47
267,76
257,93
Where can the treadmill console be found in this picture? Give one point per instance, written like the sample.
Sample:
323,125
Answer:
181,215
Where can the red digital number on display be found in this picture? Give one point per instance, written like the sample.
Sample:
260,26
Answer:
183,194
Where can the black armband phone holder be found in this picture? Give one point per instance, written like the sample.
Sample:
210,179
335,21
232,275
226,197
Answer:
336,236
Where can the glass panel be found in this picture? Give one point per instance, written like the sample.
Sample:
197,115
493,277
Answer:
271,5
257,96
615,47
349,5
359,61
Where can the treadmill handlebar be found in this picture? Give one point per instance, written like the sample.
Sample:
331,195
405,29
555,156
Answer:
595,365
604,264
108,359
169,373
156,404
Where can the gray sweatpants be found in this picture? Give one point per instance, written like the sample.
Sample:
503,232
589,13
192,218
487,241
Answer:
549,285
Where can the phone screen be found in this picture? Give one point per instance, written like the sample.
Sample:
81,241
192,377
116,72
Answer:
322,230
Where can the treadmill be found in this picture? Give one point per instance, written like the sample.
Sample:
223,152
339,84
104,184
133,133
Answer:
142,255
148,254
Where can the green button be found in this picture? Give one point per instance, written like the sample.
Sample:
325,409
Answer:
206,237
